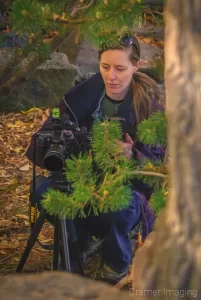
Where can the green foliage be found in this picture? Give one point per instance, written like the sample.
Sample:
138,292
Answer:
100,179
97,190
155,166
35,18
96,22
111,17
42,49
32,16
103,145
26,16
153,131
158,200
79,169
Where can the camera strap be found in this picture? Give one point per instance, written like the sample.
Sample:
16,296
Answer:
32,201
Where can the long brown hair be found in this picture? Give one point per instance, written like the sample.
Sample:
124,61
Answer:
145,89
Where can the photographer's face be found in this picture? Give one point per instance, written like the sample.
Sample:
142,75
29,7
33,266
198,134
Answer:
117,71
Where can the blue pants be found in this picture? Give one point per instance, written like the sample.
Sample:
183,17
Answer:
113,227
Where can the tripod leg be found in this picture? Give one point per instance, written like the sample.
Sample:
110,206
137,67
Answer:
74,245
65,248
32,239
57,243
76,252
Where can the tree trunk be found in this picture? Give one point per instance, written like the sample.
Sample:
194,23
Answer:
169,264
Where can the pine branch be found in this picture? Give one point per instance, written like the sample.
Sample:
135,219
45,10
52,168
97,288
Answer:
106,188
146,170
77,9
101,192
65,20
158,200
149,174
153,131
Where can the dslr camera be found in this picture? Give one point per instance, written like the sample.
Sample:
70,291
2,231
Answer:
63,139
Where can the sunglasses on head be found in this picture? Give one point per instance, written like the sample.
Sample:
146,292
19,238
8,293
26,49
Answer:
126,40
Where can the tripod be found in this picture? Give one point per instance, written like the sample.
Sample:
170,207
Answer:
62,229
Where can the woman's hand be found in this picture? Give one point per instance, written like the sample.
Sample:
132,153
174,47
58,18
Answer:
127,146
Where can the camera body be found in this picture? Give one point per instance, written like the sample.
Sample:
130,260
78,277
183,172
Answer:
57,144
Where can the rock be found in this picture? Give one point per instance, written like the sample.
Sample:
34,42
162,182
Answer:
5,55
149,54
87,59
57,285
58,60
44,88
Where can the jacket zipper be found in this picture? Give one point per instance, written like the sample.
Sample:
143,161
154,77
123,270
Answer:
70,110
101,99
99,103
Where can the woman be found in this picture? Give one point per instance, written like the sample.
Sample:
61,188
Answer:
118,90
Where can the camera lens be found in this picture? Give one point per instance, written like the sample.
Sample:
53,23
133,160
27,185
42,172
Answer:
54,158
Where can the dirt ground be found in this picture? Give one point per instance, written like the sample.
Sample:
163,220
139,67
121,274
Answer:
15,177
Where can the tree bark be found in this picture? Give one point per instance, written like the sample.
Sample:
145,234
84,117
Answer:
169,263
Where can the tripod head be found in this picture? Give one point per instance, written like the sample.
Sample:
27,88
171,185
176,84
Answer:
59,181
